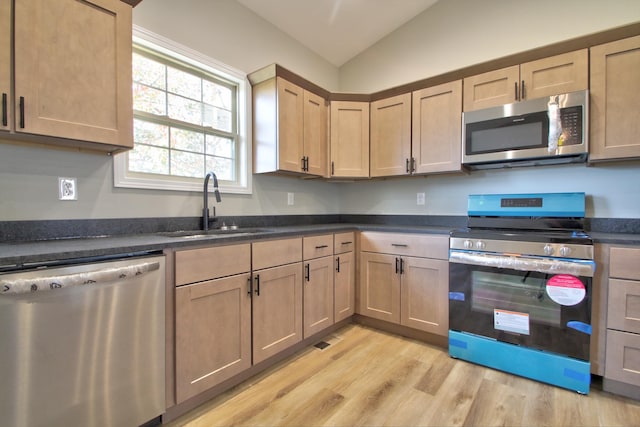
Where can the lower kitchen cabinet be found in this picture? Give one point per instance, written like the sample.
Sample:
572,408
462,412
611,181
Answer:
317,313
213,316
213,333
277,296
344,286
398,287
622,359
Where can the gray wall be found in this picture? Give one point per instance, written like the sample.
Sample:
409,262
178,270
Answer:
459,33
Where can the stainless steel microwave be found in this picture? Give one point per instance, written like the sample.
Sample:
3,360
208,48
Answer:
540,131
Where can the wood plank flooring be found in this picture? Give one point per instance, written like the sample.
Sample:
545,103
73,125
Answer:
371,378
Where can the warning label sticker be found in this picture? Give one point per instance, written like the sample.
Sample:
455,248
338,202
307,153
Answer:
511,321
566,289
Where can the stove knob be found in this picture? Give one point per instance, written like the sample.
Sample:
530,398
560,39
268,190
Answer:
565,251
548,249
468,244
480,245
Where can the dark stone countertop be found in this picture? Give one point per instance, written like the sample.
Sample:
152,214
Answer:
16,254
23,254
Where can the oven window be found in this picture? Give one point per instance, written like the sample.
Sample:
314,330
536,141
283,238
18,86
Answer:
519,293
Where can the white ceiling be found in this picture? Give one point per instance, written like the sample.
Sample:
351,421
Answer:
337,30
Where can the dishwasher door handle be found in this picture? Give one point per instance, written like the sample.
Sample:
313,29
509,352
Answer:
45,283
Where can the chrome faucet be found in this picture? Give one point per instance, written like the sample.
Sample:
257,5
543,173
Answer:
216,192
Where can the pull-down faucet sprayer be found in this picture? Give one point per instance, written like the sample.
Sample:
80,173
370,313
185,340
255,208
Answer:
216,192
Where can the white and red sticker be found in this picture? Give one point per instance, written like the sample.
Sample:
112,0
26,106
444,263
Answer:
566,289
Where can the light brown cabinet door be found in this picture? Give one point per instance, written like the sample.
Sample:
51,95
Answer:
424,295
380,286
568,72
623,357
344,286
316,141
615,85
624,305
318,295
492,89
213,333
349,139
290,126
73,70
437,128
277,310
391,136
5,64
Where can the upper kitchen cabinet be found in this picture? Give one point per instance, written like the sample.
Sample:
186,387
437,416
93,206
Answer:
72,72
5,62
437,128
349,139
615,84
568,72
391,136
290,126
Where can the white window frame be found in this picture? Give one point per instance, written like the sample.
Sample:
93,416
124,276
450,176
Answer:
122,177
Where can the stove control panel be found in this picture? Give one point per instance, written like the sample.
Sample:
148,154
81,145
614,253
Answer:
557,250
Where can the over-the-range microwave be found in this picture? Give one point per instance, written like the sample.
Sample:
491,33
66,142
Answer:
540,131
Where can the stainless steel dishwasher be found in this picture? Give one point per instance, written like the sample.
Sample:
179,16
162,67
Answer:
83,344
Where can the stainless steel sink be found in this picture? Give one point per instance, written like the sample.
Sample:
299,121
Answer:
216,232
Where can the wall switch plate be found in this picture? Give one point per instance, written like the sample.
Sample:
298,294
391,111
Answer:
67,189
290,199
420,199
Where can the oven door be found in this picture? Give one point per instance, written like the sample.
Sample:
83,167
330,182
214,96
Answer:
539,303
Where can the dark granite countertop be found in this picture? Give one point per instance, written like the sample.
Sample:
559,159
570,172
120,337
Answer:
34,252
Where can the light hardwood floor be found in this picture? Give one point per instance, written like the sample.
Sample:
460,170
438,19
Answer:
371,378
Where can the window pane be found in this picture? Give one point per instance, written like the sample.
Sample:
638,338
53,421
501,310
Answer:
217,118
149,100
148,71
150,133
184,109
148,159
184,84
187,140
217,95
187,164
223,168
220,147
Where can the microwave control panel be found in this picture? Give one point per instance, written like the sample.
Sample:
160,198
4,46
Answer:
571,119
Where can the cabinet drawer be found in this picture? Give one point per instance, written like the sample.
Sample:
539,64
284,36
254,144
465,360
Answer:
624,305
344,242
272,253
623,357
317,246
420,245
196,265
624,263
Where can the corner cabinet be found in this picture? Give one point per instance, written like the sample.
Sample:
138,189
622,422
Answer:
349,139
72,72
615,116
290,129
568,72
404,279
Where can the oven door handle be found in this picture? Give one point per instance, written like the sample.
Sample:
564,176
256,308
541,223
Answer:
585,268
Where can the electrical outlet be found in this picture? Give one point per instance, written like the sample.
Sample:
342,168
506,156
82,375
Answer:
420,199
290,199
67,189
